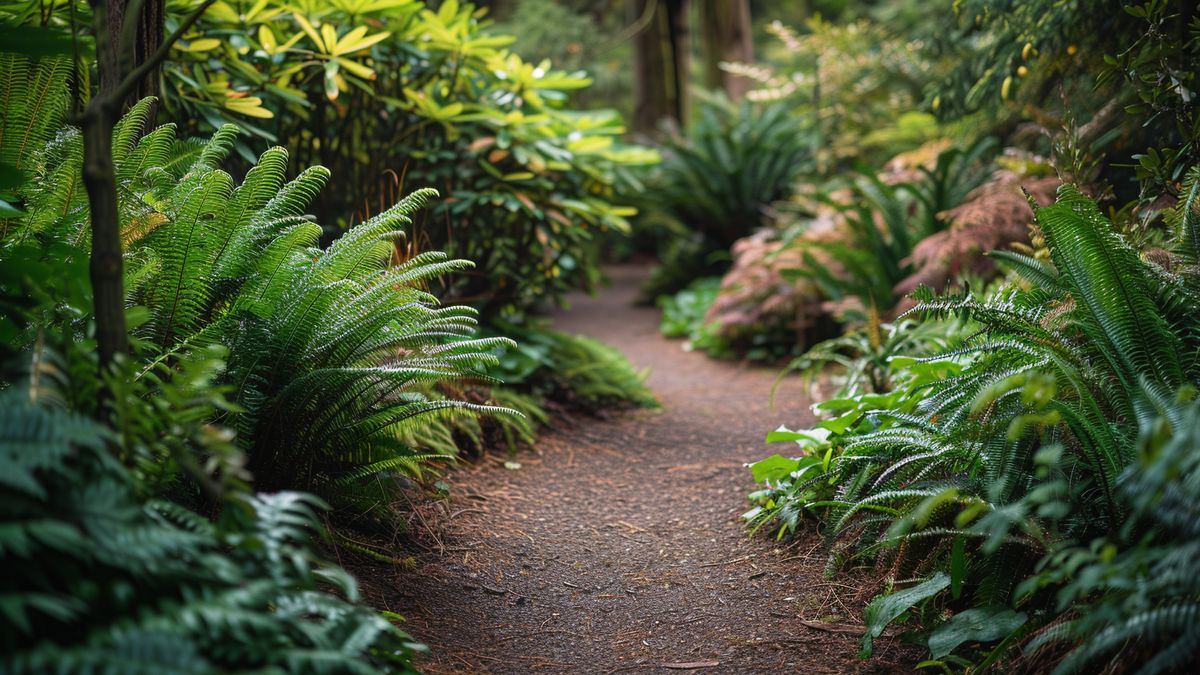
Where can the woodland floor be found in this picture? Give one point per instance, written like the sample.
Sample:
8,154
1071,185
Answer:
617,546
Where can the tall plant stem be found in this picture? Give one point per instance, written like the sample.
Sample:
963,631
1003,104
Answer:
99,117
108,293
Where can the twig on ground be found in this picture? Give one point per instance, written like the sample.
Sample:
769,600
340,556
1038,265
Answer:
729,562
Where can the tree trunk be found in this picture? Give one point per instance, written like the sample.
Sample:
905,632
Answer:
660,63
108,292
727,37
149,35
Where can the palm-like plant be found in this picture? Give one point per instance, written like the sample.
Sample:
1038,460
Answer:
735,162
329,348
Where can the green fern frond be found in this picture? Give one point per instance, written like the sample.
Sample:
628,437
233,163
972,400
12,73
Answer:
1036,272
34,98
1185,217
1107,277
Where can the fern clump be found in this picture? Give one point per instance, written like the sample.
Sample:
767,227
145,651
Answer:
258,358
574,370
1054,425
330,349
100,580
718,184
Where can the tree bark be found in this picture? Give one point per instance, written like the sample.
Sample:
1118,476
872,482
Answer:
108,292
660,63
727,37
149,35
125,63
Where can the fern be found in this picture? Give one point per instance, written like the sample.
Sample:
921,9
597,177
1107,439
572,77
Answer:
1035,429
104,583
1185,218
34,98
325,345
1106,277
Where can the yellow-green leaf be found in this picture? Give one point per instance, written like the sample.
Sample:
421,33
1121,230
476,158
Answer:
355,41
448,11
310,31
357,69
200,45
250,106
266,38
329,35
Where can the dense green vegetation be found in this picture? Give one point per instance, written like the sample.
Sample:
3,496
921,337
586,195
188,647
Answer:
1009,455
398,97
164,506
268,268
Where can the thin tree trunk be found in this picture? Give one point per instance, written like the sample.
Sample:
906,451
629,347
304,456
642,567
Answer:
680,51
108,291
660,63
122,71
149,32
727,37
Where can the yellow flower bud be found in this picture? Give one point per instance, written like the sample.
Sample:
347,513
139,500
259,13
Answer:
1071,49
1027,51
1005,87
1022,71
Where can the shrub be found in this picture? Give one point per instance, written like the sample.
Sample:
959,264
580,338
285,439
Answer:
1135,590
882,224
1010,448
572,370
717,184
328,347
849,80
112,567
103,581
394,97
683,313
735,161
399,96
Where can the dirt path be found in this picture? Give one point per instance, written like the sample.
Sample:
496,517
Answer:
618,547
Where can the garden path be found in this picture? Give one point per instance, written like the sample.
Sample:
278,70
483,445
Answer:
617,546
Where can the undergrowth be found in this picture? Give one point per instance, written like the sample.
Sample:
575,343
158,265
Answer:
1002,481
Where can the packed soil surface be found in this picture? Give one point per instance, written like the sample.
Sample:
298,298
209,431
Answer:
617,546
